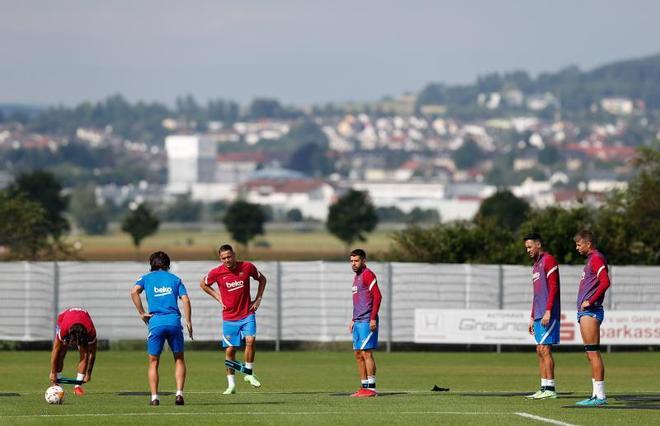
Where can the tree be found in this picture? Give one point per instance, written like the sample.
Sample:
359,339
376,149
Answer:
351,217
89,215
43,188
184,209
24,227
503,209
467,155
140,223
244,221
294,215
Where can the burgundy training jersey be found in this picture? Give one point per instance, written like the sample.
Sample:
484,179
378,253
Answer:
365,290
234,288
592,284
67,318
545,278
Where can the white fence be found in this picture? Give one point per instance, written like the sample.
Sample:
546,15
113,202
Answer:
304,301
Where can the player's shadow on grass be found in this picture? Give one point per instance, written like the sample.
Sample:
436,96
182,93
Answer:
629,402
232,403
508,394
380,394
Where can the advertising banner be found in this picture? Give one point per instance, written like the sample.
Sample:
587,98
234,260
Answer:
510,327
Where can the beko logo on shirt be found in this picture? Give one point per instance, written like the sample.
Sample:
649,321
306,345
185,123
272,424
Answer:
536,276
234,285
162,291
354,289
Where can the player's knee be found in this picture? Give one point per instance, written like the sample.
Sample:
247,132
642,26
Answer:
591,349
249,341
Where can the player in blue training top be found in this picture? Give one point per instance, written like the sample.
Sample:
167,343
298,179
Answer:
163,289
546,312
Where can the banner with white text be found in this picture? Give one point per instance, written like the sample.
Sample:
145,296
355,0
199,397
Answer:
510,327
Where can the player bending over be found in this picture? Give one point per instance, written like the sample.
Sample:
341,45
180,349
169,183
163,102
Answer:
163,289
74,328
364,326
590,314
238,310
546,312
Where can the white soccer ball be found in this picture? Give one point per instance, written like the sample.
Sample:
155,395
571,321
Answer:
54,395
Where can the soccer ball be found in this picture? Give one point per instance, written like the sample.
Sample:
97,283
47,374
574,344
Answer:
54,395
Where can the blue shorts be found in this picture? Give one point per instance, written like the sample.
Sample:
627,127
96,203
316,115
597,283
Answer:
595,312
363,338
233,332
156,339
546,335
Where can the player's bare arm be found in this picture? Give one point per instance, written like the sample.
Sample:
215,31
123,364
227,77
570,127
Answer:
208,290
137,301
91,357
55,359
260,291
546,319
187,311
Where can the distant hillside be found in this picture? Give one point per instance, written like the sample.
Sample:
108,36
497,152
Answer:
577,90
19,112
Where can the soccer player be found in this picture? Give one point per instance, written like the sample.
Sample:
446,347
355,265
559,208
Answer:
238,310
546,312
74,328
590,314
163,289
364,326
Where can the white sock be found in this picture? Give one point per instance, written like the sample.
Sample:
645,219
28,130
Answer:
550,382
593,388
59,375
599,389
364,383
80,376
371,381
544,383
249,365
154,397
179,393
231,380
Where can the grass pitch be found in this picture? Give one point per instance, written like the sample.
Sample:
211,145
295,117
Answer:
312,387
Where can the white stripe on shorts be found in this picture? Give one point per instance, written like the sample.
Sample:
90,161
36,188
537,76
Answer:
547,333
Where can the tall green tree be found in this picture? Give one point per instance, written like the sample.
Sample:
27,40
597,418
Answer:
468,154
140,223
43,188
352,217
244,221
24,227
88,214
503,209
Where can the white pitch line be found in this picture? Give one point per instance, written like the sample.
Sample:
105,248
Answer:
255,413
544,419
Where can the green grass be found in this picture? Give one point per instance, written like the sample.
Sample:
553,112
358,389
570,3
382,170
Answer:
299,388
202,245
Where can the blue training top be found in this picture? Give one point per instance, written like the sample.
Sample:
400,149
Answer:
163,290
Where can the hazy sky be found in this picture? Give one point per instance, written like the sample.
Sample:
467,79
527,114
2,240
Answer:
300,51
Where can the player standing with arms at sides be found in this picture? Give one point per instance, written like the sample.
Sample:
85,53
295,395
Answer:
74,328
364,326
163,289
590,314
546,312
238,310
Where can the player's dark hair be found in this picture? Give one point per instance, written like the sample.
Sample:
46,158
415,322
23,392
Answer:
159,261
225,247
585,235
534,236
359,252
78,334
